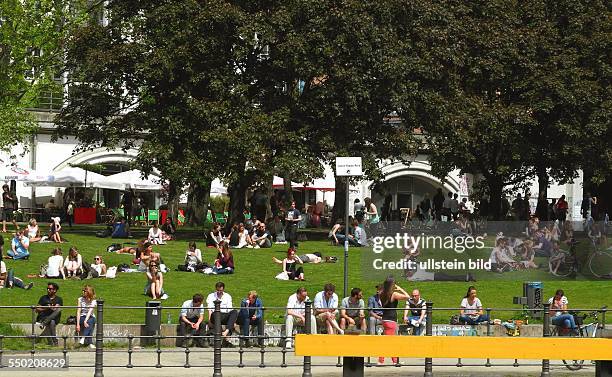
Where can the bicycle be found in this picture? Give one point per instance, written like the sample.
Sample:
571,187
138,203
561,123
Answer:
589,330
600,261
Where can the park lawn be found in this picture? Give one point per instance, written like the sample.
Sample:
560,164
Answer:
255,271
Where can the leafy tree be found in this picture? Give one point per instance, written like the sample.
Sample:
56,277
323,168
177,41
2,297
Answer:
501,94
31,36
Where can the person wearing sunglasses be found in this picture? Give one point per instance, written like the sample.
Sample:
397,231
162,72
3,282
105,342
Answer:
49,311
155,283
99,266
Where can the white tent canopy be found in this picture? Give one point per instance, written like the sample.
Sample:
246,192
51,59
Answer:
133,179
74,177
18,173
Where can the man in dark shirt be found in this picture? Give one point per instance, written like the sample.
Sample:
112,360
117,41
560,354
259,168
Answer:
50,312
293,218
9,202
438,201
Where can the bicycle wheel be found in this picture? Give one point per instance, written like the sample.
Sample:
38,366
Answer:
600,264
565,269
573,364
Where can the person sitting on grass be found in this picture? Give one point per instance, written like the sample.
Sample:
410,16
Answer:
33,231
193,259
215,237
119,229
352,311
55,228
224,264
338,236
471,309
86,318
20,246
98,266
55,265
147,256
9,280
314,258
73,265
155,235
261,237
155,283
501,257
244,240
290,266
168,230
527,255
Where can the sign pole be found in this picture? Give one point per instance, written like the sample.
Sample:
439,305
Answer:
347,167
346,237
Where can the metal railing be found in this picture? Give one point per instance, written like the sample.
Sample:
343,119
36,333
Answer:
215,335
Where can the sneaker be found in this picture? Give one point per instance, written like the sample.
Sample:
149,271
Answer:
249,246
164,297
91,346
340,332
29,286
82,341
288,345
256,247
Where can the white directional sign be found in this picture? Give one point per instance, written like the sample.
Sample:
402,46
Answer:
348,166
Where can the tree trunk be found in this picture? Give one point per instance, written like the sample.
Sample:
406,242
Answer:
237,192
197,202
339,210
543,181
173,201
269,190
496,188
288,190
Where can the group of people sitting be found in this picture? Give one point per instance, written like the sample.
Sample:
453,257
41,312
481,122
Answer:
72,267
20,243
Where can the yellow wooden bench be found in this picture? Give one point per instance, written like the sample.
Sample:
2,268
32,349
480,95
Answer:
358,347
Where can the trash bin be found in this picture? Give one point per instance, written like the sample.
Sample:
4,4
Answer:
533,291
153,317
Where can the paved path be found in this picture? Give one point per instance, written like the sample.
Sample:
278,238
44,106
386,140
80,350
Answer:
202,360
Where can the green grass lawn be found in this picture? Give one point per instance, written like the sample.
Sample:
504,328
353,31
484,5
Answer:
255,270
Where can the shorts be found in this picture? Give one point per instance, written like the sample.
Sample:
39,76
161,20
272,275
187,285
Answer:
7,214
320,320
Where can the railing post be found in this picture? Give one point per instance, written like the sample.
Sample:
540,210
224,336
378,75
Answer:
602,323
429,332
99,365
546,334
307,372
488,310
217,340
33,334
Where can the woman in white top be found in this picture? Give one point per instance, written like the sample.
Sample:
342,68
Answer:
156,235
558,306
33,231
155,283
471,308
55,265
243,238
86,319
73,263
99,266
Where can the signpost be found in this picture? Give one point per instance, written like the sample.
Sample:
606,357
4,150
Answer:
347,167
